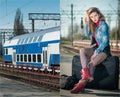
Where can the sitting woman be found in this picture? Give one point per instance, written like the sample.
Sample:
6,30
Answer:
97,28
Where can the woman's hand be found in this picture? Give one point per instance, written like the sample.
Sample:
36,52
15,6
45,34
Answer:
93,56
86,18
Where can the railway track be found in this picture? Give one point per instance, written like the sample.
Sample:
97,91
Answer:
33,75
114,45
71,49
114,52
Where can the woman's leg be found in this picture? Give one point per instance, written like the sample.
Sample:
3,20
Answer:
85,54
98,59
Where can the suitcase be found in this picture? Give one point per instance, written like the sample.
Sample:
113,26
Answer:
106,74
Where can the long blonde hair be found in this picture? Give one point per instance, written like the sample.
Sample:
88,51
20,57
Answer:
92,25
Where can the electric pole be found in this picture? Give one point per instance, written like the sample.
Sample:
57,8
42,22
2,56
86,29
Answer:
72,23
118,31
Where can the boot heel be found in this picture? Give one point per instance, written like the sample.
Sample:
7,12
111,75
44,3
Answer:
78,88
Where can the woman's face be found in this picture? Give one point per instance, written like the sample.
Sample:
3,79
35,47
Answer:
94,16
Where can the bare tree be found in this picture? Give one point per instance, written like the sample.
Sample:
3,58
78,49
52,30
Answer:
18,24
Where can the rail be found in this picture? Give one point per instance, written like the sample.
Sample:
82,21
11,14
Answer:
114,45
33,75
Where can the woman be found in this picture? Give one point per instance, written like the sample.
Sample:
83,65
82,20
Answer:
97,29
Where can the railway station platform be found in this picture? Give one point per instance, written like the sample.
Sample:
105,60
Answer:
66,68
91,93
13,88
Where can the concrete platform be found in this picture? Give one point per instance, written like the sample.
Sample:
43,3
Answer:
13,88
91,93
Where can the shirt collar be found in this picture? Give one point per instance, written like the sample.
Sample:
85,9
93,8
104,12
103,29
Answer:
97,23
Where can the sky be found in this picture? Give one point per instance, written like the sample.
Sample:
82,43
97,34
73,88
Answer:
79,8
8,10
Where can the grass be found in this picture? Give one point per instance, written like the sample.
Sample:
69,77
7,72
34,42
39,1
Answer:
1,59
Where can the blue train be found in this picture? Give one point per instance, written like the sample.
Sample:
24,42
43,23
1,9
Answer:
38,49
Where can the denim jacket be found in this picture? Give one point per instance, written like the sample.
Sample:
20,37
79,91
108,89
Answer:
101,35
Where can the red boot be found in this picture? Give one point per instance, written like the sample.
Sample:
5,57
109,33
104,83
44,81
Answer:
81,84
86,74
79,87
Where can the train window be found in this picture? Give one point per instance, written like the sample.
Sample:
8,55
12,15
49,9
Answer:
40,37
19,41
25,58
34,58
29,58
6,51
21,58
18,58
30,39
26,40
35,38
39,58
22,41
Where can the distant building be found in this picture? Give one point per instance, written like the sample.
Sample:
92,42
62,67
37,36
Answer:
0,38
0,45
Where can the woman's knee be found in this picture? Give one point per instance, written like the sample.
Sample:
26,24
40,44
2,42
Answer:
82,50
98,59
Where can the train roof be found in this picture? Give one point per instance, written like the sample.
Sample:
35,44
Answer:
40,32
41,35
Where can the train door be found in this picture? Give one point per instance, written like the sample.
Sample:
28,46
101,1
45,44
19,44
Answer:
45,56
14,57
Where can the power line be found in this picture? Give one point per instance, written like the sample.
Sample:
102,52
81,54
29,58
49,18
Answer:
24,5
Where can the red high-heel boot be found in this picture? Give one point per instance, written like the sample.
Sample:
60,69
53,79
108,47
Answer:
78,88
81,84
86,74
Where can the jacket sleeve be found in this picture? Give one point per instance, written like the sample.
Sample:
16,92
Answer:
87,33
104,39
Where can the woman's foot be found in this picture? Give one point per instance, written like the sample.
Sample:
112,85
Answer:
79,87
86,74
86,77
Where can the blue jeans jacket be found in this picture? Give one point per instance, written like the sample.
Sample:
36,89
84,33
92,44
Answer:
102,36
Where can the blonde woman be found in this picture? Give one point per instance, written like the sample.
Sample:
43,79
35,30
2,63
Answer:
96,28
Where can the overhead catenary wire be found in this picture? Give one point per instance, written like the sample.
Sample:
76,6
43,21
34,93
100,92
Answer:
13,11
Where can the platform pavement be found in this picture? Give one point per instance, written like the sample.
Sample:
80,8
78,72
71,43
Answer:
14,88
91,93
